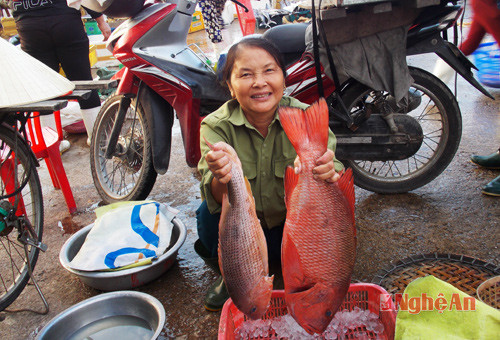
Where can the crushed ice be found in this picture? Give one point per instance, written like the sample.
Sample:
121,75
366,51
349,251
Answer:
361,324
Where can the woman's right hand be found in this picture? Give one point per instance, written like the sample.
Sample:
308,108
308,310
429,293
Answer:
220,159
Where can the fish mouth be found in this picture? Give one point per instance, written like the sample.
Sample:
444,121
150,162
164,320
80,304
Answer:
312,330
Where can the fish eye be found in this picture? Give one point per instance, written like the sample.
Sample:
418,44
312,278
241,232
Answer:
253,310
328,313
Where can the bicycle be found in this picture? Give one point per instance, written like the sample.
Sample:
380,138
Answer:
21,209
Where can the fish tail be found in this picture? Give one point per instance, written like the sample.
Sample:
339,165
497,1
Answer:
249,192
306,127
317,123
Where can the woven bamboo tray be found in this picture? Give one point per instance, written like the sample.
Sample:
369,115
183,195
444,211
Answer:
463,272
489,292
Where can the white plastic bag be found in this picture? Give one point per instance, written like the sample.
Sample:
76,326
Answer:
124,235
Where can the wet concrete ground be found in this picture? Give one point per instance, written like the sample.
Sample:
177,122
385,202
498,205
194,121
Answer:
449,215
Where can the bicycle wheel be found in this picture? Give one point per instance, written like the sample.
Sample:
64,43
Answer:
20,192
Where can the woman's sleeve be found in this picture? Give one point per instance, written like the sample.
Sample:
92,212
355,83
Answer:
332,145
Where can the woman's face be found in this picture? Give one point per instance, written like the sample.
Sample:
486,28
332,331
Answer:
257,81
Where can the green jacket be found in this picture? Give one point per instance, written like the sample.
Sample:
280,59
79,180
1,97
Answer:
263,159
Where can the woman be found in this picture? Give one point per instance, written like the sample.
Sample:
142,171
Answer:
248,125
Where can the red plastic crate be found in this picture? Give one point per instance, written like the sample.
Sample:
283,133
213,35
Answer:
365,296
246,19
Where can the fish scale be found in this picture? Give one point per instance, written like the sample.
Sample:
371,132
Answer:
242,247
319,237
239,227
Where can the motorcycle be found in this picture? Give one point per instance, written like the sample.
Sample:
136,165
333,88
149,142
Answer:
391,149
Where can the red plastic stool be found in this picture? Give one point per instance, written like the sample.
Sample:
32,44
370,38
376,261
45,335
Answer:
45,144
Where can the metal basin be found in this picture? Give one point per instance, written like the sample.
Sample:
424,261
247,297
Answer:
128,278
124,315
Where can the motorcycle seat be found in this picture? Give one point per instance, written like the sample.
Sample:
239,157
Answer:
290,39
203,84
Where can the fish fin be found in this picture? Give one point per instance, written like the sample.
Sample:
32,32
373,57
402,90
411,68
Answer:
249,190
224,209
223,216
291,180
219,257
293,275
266,284
306,127
261,243
346,185
220,263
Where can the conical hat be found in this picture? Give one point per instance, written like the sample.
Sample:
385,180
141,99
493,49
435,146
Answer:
25,80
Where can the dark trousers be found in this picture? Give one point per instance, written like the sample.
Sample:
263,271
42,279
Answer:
208,232
59,40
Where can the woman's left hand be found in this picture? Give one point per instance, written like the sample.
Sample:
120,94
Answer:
324,169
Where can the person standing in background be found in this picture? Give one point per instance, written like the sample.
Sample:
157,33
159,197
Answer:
485,19
212,16
53,33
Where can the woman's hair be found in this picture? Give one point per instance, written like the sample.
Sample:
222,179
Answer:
262,43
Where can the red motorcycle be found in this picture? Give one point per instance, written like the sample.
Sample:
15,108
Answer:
390,149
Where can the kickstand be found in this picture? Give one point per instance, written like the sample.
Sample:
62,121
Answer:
46,305
30,272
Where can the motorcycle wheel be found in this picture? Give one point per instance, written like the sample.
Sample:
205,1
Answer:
441,121
129,175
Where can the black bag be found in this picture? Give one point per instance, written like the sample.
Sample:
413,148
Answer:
115,8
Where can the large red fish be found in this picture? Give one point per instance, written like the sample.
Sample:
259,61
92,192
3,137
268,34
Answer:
242,246
319,238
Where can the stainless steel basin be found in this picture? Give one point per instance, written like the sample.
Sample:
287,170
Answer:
120,315
128,278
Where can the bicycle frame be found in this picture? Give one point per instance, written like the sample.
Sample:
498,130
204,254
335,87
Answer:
15,221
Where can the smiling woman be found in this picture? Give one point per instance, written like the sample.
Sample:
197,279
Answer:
248,126
257,83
